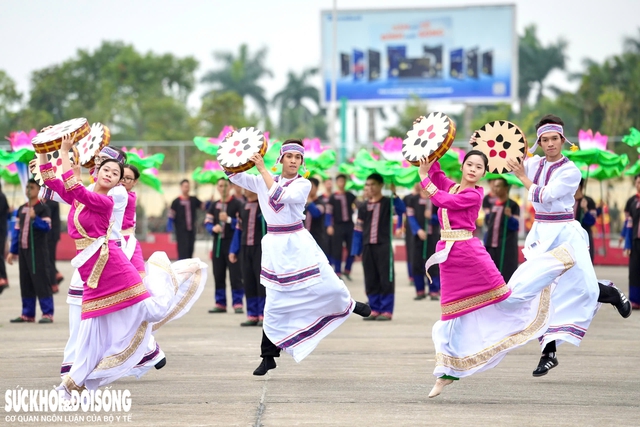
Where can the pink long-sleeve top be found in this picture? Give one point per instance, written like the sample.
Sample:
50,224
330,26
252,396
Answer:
111,283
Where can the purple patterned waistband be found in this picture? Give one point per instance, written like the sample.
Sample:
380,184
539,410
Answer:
555,216
284,229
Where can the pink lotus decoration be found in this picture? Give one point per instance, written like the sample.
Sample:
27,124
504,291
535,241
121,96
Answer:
391,149
460,152
22,139
139,153
588,140
212,165
12,168
312,148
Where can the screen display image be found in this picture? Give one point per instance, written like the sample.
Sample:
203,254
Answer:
447,53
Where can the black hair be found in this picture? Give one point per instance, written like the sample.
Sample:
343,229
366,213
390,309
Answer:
478,153
33,181
343,176
136,172
314,181
635,178
224,178
376,177
105,161
582,182
293,141
504,181
549,119
183,181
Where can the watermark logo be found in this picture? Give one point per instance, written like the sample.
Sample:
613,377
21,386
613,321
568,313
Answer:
51,406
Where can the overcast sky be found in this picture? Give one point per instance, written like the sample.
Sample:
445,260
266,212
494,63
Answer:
40,33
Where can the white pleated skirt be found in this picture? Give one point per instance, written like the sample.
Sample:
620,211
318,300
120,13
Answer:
479,340
109,347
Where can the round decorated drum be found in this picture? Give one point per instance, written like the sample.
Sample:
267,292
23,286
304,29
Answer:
56,161
98,138
51,139
430,136
500,140
236,149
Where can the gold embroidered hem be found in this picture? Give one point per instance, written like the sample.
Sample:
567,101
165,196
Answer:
113,299
193,287
70,385
484,355
431,189
562,255
468,303
119,358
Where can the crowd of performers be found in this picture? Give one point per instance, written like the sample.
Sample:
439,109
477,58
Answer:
284,245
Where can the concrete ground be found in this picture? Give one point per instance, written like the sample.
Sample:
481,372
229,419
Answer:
363,374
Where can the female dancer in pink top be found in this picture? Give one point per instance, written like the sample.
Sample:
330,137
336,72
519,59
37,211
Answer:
483,318
118,309
132,247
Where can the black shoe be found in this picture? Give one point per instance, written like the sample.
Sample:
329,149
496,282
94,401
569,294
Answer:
419,297
161,363
347,276
546,363
624,306
362,309
266,364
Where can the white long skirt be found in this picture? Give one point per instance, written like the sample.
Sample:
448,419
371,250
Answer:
478,341
108,347
298,320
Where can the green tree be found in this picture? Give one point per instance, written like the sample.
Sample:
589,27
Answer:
9,100
413,108
294,113
240,74
535,63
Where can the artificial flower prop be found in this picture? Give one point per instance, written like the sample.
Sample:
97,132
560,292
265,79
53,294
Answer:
635,169
318,159
149,177
137,158
210,173
21,148
9,174
633,139
594,153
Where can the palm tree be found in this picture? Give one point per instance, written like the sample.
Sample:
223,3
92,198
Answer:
536,62
632,45
291,100
240,74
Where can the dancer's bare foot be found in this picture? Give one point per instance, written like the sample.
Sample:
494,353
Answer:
439,385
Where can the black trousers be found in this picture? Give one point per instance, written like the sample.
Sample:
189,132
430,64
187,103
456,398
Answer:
221,264
186,241
377,267
420,257
251,257
634,269
510,261
342,234
607,295
34,274
53,247
267,348
3,241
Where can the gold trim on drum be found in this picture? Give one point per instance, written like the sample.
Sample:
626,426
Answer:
500,140
237,147
56,164
430,136
51,139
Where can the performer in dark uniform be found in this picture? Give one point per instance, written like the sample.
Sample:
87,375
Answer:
29,245
5,212
221,222
247,238
585,212
339,222
52,239
502,247
631,233
422,216
182,218
372,238
408,234
314,216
